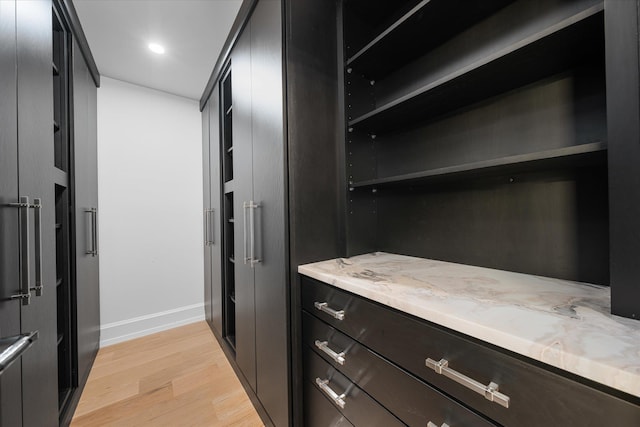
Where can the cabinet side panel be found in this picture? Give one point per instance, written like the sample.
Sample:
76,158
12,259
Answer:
623,104
36,171
10,381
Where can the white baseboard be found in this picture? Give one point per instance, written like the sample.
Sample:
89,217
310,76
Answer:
125,330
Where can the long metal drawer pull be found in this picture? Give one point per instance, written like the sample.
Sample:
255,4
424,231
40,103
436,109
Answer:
25,252
337,357
15,350
337,398
252,256
245,205
430,424
323,306
37,219
490,392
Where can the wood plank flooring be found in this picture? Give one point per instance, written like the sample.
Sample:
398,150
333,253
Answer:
178,377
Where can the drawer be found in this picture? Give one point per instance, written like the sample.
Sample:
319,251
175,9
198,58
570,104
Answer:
359,408
537,395
318,410
411,400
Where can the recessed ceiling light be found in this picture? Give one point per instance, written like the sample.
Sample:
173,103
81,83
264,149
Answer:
156,48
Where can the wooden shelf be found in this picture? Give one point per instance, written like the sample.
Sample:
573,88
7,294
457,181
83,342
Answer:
431,22
568,156
56,72
229,187
543,54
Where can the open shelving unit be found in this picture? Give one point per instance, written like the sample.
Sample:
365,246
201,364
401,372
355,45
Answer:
476,132
228,249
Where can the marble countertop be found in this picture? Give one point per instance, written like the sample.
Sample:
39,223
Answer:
564,324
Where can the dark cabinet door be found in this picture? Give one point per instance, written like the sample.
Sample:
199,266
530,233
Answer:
206,211
35,170
86,214
10,381
215,216
271,299
243,194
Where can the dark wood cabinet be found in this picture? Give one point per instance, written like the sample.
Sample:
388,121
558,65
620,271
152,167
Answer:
384,352
46,150
260,85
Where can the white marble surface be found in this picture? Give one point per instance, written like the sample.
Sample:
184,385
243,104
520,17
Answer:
564,324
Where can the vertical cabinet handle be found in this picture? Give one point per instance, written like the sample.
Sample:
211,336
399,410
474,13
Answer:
37,218
245,205
252,207
92,235
211,227
25,250
337,398
206,227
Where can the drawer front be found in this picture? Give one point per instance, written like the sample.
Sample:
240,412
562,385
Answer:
411,400
537,396
359,408
318,411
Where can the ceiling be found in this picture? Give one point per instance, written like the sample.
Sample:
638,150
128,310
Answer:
192,32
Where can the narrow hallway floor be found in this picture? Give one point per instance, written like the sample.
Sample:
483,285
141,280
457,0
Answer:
178,377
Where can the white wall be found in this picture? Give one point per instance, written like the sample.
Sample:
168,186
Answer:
150,201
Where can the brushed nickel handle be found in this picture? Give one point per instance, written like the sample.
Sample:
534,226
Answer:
211,227
37,219
252,256
25,251
206,227
337,357
245,206
16,349
338,399
323,306
92,235
490,392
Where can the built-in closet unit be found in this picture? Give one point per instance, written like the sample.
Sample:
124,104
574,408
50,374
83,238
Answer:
49,312
271,188
500,134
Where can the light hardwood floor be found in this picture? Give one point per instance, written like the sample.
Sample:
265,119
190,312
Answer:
178,377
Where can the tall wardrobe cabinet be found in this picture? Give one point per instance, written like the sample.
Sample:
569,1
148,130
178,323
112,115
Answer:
261,146
48,274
